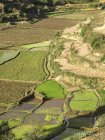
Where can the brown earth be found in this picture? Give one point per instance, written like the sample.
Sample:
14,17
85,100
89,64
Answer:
12,91
27,33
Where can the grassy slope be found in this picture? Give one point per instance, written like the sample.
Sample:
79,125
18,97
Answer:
51,89
27,66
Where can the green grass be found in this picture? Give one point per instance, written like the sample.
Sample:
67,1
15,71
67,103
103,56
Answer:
13,123
21,131
51,89
1,53
27,66
40,44
83,105
85,100
85,95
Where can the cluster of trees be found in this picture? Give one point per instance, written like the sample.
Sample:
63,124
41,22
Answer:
30,9
16,9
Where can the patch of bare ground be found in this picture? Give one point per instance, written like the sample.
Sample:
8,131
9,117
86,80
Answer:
83,49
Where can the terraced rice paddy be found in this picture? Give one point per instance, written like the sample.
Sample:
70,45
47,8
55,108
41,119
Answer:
51,89
81,121
23,35
24,107
28,66
13,115
79,15
39,118
6,56
84,100
12,91
36,45
70,134
54,106
55,23
102,97
31,33
24,62
21,131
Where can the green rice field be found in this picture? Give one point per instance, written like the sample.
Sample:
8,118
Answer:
51,89
84,100
28,66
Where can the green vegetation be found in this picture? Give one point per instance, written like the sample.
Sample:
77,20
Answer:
27,66
7,55
85,95
31,70
40,44
56,51
102,95
20,131
83,105
13,123
100,121
24,131
84,100
4,131
51,89
50,117
95,39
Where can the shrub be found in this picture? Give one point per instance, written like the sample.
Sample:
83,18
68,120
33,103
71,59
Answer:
95,39
103,7
94,5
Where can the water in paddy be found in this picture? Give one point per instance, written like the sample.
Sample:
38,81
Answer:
73,131
12,115
24,107
21,110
